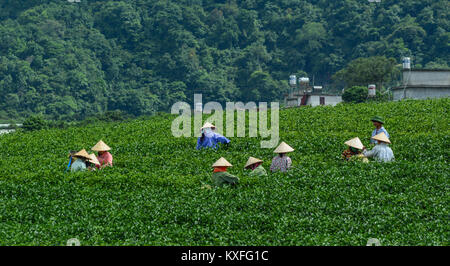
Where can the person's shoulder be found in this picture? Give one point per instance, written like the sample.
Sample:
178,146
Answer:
217,135
216,174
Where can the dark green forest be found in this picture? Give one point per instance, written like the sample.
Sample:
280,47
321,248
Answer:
69,61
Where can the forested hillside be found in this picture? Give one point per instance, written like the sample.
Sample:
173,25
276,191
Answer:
72,60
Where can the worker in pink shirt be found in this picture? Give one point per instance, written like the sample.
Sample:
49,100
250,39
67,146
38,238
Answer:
104,157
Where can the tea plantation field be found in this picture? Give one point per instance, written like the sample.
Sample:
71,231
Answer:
153,194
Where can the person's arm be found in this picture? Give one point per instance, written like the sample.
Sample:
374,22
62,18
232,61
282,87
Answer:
371,153
230,178
387,134
259,171
344,155
273,165
221,139
288,163
109,159
69,165
372,141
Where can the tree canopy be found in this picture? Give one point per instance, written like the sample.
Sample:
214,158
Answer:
72,60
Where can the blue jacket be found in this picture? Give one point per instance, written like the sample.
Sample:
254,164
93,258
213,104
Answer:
211,142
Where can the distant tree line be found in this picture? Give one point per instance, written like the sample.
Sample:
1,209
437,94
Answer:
70,61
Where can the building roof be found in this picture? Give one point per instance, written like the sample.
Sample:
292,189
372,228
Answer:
421,87
426,70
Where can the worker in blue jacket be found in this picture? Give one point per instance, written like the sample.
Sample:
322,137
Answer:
378,124
209,138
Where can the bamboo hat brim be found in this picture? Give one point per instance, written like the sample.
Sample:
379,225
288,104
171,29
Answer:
83,154
101,146
355,143
251,161
208,125
222,163
93,159
382,137
283,148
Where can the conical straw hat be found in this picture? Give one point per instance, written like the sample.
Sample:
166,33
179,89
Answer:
207,124
82,154
251,161
381,137
222,163
283,148
355,143
93,159
101,146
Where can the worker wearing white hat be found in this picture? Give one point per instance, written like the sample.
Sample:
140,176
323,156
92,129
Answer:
381,152
104,156
209,138
354,150
255,165
220,176
92,163
281,162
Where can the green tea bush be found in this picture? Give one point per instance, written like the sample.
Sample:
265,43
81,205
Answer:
35,122
153,195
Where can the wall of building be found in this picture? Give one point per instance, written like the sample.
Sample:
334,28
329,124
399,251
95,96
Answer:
421,93
314,100
292,102
430,78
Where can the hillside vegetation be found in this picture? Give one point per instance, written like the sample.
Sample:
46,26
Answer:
74,60
153,194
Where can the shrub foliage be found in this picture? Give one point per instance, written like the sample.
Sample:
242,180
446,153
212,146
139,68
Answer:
152,196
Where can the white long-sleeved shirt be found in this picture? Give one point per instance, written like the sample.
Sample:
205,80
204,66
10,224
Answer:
381,152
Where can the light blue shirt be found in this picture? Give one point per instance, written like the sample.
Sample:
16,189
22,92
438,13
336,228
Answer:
381,152
78,165
378,131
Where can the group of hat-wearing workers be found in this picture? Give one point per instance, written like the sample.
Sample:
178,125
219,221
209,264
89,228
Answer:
281,162
381,152
220,177
356,151
82,160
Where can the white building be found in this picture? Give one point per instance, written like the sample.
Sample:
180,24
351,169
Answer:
7,128
312,97
423,84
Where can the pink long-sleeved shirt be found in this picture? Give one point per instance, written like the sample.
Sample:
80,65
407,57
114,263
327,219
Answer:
105,159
